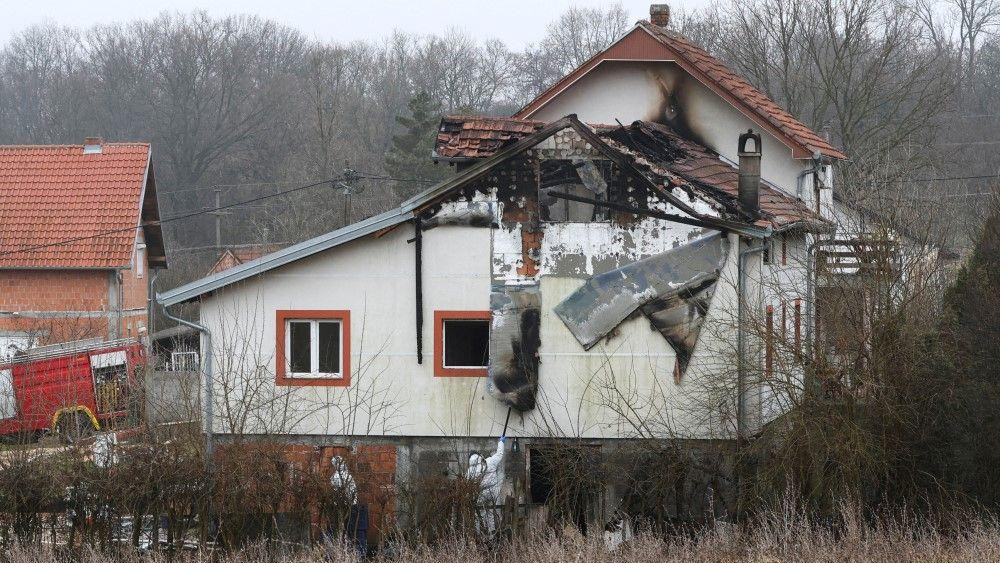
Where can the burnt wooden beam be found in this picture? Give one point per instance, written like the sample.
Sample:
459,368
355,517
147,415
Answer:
703,223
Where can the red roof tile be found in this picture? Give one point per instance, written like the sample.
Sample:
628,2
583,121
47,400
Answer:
698,165
648,42
49,194
474,137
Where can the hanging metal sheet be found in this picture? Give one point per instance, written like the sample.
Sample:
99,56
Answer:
663,285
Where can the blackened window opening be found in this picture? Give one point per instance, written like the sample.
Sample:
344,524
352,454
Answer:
597,179
466,343
329,347
299,355
540,476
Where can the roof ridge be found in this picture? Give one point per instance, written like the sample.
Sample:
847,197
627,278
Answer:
711,71
787,123
79,146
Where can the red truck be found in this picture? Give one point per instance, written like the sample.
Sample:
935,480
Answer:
72,389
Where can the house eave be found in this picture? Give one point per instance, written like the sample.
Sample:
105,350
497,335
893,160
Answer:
277,259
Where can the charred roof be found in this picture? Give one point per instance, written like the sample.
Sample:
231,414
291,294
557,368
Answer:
660,152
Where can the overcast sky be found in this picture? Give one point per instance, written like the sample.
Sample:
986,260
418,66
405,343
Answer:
516,22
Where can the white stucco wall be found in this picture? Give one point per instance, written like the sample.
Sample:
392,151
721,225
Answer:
390,394
628,90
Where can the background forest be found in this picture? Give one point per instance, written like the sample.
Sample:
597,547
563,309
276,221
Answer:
247,107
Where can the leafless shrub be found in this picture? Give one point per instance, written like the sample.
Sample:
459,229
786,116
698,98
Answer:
439,508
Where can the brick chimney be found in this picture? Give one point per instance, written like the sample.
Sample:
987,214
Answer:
659,14
749,185
92,145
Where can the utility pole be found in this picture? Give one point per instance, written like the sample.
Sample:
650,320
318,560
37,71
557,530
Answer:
218,213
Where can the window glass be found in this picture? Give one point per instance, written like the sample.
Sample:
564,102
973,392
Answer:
466,343
298,348
329,347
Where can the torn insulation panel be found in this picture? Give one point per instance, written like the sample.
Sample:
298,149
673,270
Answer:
514,343
665,286
679,317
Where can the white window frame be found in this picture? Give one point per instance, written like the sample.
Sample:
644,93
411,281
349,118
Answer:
188,360
313,350
444,343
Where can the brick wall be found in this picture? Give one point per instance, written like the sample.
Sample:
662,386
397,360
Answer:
53,290
135,295
65,290
374,470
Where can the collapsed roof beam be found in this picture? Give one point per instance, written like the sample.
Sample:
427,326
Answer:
704,222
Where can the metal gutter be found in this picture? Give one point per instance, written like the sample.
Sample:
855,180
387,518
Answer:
206,369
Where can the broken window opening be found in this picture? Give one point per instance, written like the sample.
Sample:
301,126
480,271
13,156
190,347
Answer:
563,478
539,476
461,343
466,343
597,179
314,348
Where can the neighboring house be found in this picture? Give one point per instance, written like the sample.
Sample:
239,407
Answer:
576,274
79,233
236,255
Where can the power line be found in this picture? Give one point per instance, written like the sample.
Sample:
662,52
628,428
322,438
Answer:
418,180
229,246
210,210
206,187
965,143
948,179
942,179
167,220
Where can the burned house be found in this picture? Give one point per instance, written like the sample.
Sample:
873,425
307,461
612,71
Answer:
580,276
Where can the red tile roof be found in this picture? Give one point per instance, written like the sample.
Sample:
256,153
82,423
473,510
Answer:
650,42
690,165
474,137
49,194
739,88
706,173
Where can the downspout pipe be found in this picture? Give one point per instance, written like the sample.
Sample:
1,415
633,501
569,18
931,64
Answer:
742,340
741,359
206,368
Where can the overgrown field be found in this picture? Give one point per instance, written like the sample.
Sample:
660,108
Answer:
777,537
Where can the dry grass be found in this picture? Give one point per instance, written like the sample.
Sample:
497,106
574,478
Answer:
778,537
